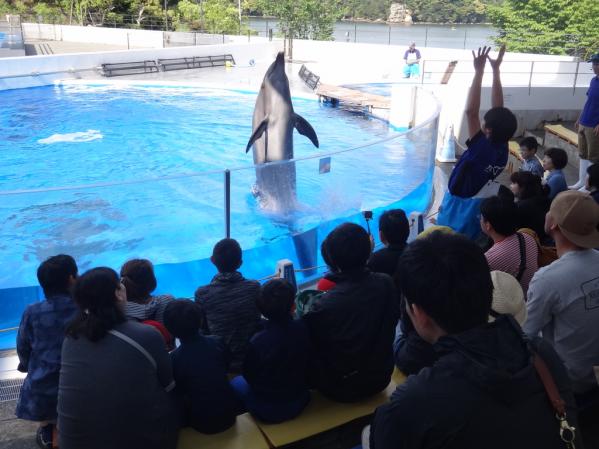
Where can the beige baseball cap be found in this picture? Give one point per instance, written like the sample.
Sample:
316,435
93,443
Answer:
577,215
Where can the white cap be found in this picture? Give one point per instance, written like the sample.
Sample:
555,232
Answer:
508,297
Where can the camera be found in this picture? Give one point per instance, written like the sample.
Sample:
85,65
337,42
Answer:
367,217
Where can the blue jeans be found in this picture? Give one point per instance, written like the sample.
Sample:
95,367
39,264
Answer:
411,70
267,410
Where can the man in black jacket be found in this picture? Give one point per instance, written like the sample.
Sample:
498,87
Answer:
352,326
484,391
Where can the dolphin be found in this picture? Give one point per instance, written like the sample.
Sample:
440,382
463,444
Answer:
272,138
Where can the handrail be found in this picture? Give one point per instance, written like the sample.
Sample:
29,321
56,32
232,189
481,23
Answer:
54,72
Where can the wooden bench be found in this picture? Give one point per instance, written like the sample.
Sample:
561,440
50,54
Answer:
245,434
322,415
195,62
563,133
129,68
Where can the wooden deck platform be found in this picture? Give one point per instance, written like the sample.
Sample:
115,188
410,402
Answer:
352,97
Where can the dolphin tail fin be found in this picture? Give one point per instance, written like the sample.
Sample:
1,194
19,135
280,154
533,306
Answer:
305,129
257,133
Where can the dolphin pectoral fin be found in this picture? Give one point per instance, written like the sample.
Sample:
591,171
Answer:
257,133
305,129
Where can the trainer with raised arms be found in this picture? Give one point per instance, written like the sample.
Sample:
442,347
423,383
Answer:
487,153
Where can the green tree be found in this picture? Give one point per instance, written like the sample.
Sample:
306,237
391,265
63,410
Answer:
548,26
305,19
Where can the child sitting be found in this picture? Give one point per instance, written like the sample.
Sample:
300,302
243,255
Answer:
229,302
137,275
39,344
528,151
554,160
274,383
200,367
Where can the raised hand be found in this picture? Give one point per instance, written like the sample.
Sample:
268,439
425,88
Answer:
495,63
480,58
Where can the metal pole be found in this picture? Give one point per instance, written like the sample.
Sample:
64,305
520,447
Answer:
575,77
128,47
165,15
239,8
355,30
227,203
423,65
425,36
389,40
248,35
532,66
465,34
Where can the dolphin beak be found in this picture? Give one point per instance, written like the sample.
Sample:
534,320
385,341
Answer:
280,61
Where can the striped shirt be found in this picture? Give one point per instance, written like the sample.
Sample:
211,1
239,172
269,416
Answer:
505,256
152,310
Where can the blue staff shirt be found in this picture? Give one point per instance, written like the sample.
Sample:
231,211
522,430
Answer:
482,162
590,113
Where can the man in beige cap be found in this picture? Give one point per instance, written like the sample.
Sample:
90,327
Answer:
563,297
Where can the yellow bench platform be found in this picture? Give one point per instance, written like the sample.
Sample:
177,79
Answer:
322,415
563,133
514,149
245,434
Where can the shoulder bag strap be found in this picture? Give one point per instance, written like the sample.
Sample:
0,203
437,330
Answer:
567,433
136,345
522,244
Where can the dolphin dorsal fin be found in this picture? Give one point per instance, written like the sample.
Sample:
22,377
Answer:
257,133
305,129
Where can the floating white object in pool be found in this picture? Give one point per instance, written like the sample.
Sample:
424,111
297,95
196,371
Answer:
85,136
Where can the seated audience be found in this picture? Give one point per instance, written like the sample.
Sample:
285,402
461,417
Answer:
528,151
200,366
394,231
229,302
274,385
352,325
554,161
39,342
531,201
115,374
137,275
513,252
593,181
563,298
486,156
483,391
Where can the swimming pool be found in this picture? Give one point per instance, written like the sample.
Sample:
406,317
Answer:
107,173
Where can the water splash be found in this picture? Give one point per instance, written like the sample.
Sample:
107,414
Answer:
85,136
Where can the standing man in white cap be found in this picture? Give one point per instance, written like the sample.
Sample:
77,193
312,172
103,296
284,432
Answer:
587,126
563,298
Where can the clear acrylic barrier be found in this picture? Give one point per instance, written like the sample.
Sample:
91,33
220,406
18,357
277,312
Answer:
329,189
172,222
175,221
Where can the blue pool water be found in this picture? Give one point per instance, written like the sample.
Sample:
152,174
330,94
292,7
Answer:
108,173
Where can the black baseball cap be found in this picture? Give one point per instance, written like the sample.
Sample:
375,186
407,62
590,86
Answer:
594,58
